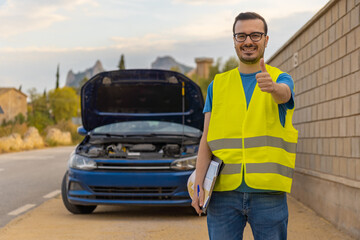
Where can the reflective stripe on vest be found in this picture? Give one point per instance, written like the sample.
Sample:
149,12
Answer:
225,143
267,167
261,141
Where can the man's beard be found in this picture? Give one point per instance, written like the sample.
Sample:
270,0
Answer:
249,61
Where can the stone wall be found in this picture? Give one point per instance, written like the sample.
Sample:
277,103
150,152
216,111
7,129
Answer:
323,58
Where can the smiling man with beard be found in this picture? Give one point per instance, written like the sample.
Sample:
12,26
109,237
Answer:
248,125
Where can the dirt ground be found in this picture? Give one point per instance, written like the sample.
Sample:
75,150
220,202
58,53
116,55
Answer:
52,221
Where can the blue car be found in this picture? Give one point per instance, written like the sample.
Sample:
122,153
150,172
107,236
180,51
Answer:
142,130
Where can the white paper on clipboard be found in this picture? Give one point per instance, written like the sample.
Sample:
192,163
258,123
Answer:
209,181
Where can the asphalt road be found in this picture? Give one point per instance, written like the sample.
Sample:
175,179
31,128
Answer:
29,178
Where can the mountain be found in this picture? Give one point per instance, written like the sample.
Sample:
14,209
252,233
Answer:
167,62
74,79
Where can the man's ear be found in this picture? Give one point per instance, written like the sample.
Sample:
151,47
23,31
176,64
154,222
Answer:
266,40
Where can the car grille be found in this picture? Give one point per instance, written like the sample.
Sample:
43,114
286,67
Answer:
132,193
135,198
133,190
134,166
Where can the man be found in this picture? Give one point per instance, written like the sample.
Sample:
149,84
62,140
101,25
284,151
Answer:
248,125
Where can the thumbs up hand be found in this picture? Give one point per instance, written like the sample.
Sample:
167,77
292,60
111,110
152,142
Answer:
264,80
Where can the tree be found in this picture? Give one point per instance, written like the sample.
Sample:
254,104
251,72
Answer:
121,65
231,63
64,103
214,69
38,111
57,77
20,118
20,88
33,95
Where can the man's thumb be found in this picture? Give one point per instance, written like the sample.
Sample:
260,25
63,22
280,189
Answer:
262,65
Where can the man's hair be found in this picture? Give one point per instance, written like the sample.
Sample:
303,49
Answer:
250,16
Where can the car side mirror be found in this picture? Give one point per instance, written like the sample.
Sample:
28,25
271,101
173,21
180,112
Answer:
81,130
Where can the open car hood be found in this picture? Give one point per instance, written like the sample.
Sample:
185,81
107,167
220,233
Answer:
141,94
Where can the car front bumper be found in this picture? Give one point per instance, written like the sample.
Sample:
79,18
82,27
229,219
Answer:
128,187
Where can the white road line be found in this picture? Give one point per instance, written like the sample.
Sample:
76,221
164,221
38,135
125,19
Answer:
52,194
25,158
31,157
21,209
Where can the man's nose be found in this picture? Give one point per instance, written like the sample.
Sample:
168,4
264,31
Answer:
248,40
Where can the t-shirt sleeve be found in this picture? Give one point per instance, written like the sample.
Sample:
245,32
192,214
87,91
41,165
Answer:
287,79
208,101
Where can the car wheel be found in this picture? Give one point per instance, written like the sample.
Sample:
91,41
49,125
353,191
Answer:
75,209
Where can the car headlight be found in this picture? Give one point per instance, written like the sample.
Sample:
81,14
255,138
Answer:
184,163
81,162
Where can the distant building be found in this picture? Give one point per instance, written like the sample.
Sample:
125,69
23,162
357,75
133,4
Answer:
12,102
202,69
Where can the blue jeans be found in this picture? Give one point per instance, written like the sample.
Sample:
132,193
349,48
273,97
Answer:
228,212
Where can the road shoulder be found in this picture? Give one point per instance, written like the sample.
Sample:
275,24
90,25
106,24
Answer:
52,220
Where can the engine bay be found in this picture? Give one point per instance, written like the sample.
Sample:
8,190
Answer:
136,150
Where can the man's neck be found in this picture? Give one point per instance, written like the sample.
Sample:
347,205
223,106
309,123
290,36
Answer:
249,68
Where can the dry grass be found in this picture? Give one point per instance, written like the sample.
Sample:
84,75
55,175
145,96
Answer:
67,126
16,128
21,129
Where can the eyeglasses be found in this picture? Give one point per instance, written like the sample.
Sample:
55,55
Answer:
254,36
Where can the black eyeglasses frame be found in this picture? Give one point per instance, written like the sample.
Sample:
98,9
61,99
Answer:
249,35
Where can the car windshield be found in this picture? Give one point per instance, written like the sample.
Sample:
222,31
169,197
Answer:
146,127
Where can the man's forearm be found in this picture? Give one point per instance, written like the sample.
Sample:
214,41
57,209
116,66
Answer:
204,154
203,161
281,93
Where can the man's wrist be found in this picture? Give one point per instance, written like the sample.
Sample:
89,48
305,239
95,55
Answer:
281,93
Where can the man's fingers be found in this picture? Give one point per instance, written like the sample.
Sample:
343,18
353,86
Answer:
262,76
262,65
195,204
198,202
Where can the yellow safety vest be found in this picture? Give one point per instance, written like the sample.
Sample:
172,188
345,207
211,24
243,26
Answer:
250,139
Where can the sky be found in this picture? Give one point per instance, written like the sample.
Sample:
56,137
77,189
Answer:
38,35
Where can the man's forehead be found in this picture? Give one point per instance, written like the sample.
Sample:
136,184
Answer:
253,25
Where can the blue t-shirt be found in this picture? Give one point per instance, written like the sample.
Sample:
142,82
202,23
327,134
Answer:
249,83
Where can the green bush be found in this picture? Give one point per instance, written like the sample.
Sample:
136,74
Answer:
20,118
64,103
